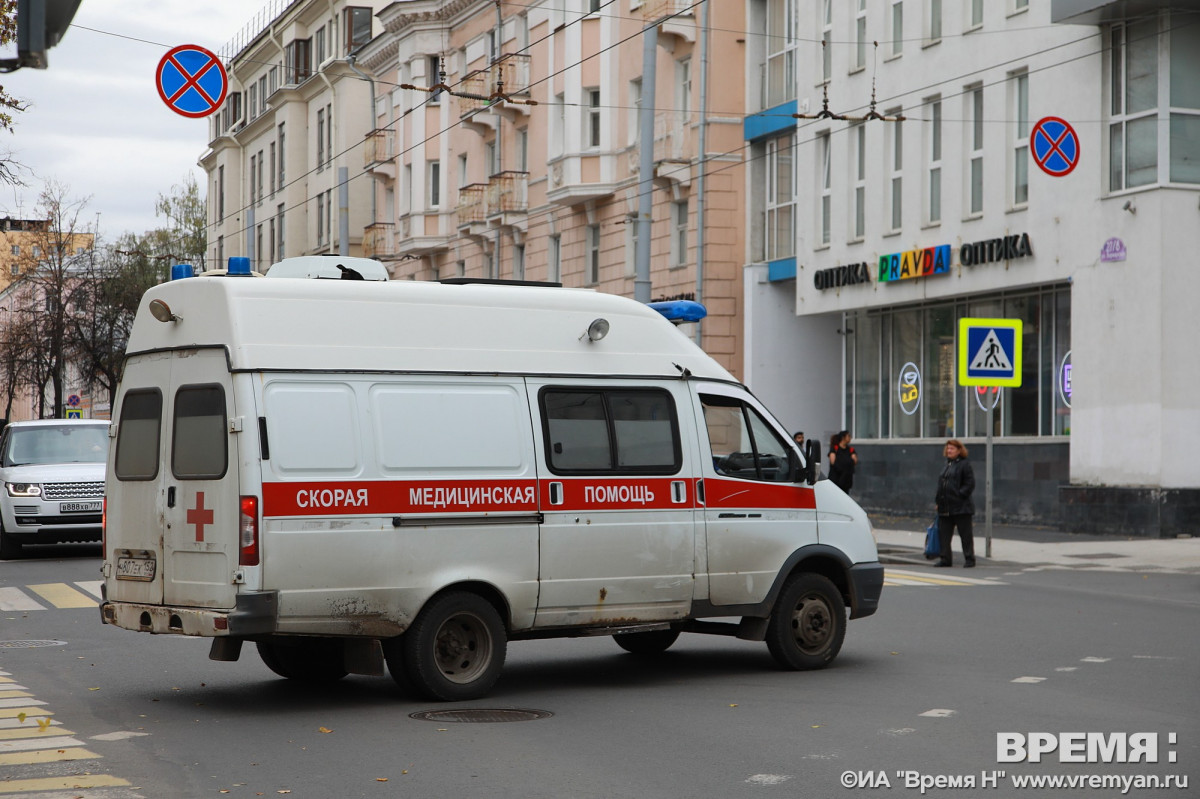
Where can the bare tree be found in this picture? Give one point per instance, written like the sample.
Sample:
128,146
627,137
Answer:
183,240
9,169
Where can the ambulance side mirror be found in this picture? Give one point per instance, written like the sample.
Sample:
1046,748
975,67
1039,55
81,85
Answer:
812,455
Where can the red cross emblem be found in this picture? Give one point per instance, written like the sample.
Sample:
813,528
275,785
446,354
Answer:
199,516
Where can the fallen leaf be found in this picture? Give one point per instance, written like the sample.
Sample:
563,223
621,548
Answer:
43,724
324,729
93,689
20,718
733,705
815,726
381,779
405,771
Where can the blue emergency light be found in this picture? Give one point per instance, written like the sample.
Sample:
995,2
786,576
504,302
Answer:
239,265
180,271
680,311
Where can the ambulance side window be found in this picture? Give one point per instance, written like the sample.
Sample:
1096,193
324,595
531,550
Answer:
617,431
138,435
743,444
199,443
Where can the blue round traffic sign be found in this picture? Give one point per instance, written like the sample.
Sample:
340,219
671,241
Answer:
1055,146
191,81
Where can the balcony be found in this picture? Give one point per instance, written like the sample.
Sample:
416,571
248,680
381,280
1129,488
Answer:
471,210
379,147
681,13
507,77
379,240
501,202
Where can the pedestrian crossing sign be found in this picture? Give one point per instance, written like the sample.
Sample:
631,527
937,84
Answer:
989,352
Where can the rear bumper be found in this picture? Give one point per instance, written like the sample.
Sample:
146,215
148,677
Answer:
866,584
253,614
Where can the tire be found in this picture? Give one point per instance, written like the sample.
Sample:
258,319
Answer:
808,624
10,548
311,660
455,649
653,642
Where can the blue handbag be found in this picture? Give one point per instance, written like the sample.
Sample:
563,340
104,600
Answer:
933,543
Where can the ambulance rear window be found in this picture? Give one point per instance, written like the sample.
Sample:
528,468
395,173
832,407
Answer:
198,447
138,435
617,431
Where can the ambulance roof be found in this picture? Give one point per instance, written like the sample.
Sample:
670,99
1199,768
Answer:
350,325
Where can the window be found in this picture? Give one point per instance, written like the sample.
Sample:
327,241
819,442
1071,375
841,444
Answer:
824,170
297,61
15,269
319,47
780,228
435,184
933,212
593,117
320,139
252,100
199,440
635,106
435,76
779,84
1019,88
220,250
683,88
895,173
742,444
974,98
1020,5
16,249
261,168
262,91
272,171
320,218
518,270
138,435
356,22
273,79
976,9
619,431
592,265
329,214
258,247
253,176
282,155
1151,91
554,259
559,135
935,20
826,40
328,134
221,193
271,241
279,233
679,233
859,174
897,27
860,35
523,149
462,171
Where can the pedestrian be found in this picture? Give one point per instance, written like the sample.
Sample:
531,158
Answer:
798,437
842,460
954,504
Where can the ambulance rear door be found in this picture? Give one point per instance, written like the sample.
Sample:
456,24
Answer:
173,500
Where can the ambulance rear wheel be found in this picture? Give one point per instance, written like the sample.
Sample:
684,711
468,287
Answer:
305,659
808,624
455,649
648,643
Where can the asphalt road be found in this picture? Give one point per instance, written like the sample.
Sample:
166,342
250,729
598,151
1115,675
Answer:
952,660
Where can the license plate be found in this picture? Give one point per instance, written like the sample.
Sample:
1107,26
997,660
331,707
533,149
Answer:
136,568
80,507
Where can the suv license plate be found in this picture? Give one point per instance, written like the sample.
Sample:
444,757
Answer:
136,569
79,507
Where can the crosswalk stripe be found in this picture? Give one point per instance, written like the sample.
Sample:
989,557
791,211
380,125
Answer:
61,783
61,742
20,701
46,756
12,693
91,586
15,599
62,595
15,723
26,709
923,577
31,729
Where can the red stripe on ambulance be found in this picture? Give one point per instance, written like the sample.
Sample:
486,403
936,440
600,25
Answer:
393,497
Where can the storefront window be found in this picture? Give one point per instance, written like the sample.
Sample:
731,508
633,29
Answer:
903,366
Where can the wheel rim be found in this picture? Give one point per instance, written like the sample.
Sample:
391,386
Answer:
812,623
463,648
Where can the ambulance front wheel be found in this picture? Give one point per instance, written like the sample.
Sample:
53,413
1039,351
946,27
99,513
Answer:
455,649
808,624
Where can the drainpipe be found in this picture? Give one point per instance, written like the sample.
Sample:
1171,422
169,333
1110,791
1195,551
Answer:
641,282
701,178
350,59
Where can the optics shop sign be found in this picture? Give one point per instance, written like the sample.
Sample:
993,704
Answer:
838,276
914,263
1005,248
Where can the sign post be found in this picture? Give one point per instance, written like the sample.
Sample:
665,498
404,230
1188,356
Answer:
989,354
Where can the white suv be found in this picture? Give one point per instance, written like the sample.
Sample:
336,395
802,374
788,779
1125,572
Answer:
53,475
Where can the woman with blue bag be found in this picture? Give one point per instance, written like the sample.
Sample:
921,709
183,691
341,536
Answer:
954,504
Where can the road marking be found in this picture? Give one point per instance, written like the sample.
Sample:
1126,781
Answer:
62,595
11,693
120,735
62,783
16,599
1030,679
46,756
16,723
33,730
896,577
61,742
91,586
939,713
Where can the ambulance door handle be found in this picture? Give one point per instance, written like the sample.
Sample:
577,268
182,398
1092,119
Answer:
171,496
700,491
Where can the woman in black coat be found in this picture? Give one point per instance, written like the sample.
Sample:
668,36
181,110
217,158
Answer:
954,504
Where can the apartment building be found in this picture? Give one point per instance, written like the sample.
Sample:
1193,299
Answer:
870,237
525,164
284,156
26,242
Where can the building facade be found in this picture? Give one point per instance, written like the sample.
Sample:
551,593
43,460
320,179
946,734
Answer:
1018,159
497,141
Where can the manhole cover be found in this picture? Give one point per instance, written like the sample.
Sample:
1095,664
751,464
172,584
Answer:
29,644
480,715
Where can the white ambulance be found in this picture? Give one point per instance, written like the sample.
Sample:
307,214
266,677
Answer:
348,473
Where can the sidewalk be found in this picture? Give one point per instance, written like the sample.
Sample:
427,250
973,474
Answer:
1031,548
